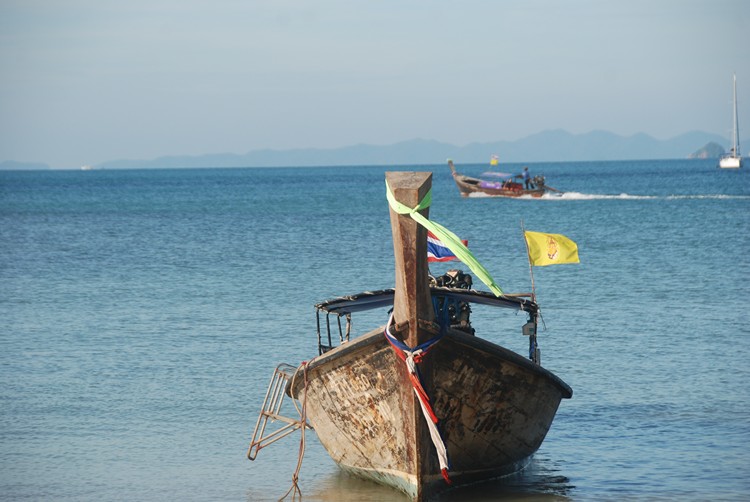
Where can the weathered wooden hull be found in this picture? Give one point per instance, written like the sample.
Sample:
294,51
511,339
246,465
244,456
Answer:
467,186
494,406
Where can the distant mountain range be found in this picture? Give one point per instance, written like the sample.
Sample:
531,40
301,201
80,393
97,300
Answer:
546,146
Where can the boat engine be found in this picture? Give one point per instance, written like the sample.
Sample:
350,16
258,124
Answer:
456,313
538,181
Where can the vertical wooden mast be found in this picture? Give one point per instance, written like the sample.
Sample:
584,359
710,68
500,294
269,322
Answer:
412,300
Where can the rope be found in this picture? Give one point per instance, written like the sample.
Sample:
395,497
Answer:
411,357
448,238
294,489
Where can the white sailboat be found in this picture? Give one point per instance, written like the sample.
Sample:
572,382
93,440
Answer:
733,159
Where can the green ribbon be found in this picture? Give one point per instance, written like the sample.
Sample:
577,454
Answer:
446,236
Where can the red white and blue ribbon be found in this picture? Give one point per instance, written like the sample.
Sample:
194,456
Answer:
411,357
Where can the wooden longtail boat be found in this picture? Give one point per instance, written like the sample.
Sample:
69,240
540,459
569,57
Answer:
484,409
468,185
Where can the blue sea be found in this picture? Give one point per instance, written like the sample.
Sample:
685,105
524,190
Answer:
144,311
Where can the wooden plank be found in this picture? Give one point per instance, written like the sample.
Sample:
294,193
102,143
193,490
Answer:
412,298
412,303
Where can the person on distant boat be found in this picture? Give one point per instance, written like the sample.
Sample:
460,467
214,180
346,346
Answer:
526,178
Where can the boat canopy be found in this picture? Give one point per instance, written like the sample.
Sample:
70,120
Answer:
369,300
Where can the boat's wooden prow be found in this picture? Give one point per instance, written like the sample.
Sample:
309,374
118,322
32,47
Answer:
412,301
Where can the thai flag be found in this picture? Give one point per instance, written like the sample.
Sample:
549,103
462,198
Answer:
437,251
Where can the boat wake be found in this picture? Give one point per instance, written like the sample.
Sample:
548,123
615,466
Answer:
621,196
594,196
626,196
710,196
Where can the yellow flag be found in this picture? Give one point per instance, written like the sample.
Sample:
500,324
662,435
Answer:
550,249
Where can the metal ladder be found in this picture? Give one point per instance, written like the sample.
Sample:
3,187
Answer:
271,410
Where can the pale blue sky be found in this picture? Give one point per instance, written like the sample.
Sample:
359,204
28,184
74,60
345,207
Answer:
86,81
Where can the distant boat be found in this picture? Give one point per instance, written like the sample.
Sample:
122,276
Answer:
86,168
733,159
508,188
